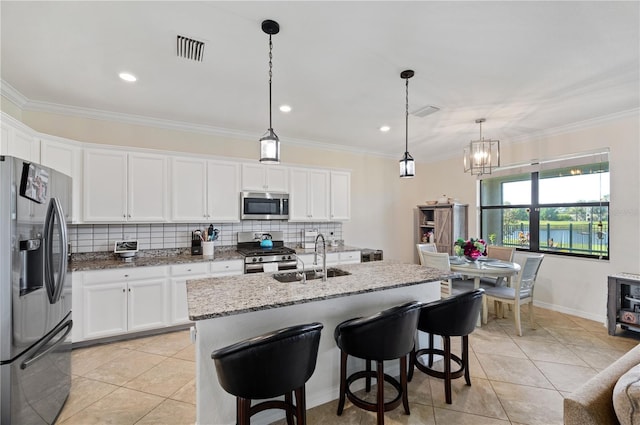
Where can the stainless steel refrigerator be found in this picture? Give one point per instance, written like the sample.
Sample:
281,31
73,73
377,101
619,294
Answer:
35,293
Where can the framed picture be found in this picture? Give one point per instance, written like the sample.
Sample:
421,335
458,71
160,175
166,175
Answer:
34,184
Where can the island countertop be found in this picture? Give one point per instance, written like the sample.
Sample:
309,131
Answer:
224,296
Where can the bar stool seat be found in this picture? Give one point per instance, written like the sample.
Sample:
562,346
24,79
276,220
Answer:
270,365
387,335
454,316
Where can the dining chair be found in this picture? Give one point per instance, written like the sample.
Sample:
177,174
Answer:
425,247
504,253
521,291
440,261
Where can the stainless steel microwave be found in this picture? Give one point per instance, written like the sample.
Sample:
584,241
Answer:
264,206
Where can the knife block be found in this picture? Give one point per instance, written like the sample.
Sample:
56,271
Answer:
196,244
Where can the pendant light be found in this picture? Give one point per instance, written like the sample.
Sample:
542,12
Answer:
269,142
407,165
482,156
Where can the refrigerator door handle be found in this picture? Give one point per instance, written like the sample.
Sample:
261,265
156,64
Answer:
55,215
38,355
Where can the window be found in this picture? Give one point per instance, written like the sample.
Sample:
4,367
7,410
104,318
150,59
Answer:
559,207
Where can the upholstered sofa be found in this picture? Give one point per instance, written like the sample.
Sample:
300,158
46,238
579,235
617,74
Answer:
592,403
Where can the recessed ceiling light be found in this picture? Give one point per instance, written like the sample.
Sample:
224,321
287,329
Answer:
127,77
285,108
385,128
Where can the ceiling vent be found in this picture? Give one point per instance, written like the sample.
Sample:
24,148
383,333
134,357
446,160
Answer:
424,111
189,48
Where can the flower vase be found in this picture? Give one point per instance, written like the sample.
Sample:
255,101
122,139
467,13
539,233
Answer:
470,258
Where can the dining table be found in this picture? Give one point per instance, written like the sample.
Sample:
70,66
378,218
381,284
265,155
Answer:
483,267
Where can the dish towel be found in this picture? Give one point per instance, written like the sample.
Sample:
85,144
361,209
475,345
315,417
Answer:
270,267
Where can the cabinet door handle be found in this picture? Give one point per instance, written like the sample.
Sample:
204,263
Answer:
129,289
123,290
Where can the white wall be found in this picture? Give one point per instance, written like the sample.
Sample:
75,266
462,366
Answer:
383,204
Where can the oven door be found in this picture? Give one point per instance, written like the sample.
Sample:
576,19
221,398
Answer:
264,206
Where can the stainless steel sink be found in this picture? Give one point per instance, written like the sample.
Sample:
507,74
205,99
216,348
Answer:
309,275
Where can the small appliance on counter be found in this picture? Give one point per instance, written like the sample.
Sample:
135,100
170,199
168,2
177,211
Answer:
126,249
309,238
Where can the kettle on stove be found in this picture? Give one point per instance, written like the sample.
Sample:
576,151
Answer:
266,241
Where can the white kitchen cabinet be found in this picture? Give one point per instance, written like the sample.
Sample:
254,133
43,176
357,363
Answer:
16,139
340,195
309,195
180,273
226,268
264,178
65,156
123,300
349,257
189,189
223,191
124,186
204,190
333,259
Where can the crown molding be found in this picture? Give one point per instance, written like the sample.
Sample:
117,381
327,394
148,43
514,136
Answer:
9,92
24,103
55,108
577,126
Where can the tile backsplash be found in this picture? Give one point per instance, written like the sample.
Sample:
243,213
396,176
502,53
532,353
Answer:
101,237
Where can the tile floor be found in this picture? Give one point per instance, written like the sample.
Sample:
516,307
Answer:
515,380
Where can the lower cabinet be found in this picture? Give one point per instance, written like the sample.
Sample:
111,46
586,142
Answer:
121,301
333,259
116,302
179,275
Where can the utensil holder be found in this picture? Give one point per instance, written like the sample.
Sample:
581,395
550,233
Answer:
207,248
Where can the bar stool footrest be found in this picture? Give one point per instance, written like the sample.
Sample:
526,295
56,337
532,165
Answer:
372,407
436,373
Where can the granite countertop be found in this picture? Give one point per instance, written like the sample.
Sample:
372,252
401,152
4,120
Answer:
226,296
625,275
167,257
104,261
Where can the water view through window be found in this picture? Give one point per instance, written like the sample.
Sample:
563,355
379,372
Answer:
564,210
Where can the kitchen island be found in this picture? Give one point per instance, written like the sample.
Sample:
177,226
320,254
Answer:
229,309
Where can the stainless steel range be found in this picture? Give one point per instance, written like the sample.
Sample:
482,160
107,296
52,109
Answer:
265,251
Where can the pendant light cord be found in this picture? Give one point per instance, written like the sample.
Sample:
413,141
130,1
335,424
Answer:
270,75
406,117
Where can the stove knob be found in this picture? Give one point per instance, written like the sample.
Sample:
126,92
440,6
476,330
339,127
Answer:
289,258
284,257
254,259
260,259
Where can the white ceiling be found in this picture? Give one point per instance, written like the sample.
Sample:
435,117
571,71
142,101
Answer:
527,67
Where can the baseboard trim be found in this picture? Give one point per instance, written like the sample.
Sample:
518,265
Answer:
595,317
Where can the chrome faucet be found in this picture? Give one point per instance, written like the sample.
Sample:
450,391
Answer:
324,256
301,274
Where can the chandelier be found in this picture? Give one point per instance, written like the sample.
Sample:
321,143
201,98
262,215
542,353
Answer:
481,156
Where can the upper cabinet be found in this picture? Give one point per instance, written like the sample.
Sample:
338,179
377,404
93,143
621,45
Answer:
264,178
18,140
340,195
204,190
65,156
309,195
124,187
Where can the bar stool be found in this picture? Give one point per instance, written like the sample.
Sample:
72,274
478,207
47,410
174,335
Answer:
387,335
270,365
454,316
